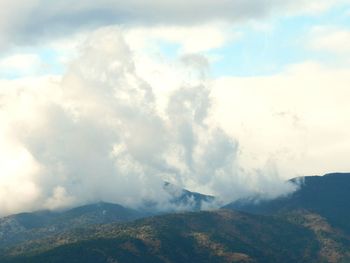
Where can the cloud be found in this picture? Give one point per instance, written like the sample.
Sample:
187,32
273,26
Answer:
98,133
191,39
313,7
298,118
20,64
31,21
330,39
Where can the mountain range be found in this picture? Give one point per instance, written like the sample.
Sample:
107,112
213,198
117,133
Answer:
327,196
309,225
23,227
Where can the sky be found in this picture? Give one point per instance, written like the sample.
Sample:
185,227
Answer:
106,100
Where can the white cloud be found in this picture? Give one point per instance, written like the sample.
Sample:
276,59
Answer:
330,39
299,119
191,39
313,7
123,118
97,134
20,64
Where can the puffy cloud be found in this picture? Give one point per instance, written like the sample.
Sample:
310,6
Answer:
98,133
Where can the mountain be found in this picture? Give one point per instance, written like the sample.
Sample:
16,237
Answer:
217,236
24,227
27,226
309,225
328,196
183,199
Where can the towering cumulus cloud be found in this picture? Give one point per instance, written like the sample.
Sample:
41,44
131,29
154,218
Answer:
102,132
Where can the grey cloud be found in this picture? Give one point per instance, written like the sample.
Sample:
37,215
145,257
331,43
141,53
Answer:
30,21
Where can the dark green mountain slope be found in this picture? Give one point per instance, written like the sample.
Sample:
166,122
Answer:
310,225
328,196
26,226
220,236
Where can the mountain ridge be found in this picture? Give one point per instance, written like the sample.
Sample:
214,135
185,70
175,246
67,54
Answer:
27,226
299,227
326,195
217,236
